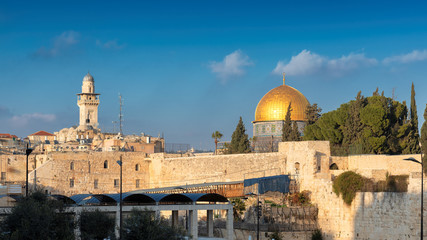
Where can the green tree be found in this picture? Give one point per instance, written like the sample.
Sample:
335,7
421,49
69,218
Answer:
312,113
372,125
216,135
295,135
143,225
413,144
96,225
38,217
287,125
239,139
238,208
424,140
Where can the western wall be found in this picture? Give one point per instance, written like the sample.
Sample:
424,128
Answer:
372,215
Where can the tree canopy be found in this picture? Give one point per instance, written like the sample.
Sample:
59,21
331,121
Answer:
239,139
290,128
216,135
423,140
38,217
366,125
96,225
143,225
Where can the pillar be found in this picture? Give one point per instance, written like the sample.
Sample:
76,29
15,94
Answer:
193,228
76,221
117,221
229,224
157,214
175,218
210,222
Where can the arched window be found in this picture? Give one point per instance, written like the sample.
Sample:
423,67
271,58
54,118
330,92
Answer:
137,167
333,166
106,164
72,166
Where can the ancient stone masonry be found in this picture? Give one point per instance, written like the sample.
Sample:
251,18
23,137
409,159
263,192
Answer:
372,215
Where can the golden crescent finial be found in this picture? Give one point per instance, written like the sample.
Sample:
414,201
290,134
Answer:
283,78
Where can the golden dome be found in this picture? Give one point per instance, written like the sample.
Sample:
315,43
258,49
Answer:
274,105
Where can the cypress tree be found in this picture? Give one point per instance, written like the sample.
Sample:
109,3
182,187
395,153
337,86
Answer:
239,139
414,135
424,140
287,126
414,114
295,135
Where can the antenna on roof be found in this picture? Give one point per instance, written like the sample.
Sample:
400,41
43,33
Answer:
121,115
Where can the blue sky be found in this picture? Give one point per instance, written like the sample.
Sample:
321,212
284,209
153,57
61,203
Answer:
189,68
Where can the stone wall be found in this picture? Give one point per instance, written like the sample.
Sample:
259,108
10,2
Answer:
75,173
371,215
166,172
240,234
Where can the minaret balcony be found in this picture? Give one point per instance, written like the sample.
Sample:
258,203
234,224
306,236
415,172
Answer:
87,101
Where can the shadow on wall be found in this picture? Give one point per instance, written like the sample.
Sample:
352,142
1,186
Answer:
387,215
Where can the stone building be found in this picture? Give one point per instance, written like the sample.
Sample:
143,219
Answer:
270,115
87,136
88,102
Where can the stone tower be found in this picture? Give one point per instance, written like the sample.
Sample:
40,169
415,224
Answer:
88,102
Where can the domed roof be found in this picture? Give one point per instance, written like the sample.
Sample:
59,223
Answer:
274,105
88,78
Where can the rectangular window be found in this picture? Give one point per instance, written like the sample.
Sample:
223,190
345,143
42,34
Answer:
95,184
137,183
3,176
71,183
116,183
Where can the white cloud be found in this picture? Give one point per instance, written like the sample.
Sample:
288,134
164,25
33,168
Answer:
60,44
112,44
232,65
413,56
308,63
25,119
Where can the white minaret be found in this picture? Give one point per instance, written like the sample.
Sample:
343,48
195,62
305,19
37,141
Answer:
88,102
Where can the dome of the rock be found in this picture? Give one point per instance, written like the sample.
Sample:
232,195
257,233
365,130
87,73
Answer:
274,105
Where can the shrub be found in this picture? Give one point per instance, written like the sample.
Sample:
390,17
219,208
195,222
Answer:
347,184
299,198
275,236
316,235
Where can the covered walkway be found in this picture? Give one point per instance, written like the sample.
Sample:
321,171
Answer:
189,202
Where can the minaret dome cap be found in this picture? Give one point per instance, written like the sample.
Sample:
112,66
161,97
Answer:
88,78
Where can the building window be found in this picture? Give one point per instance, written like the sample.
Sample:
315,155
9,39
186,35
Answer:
95,184
116,183
71,183
105,164
3,176
72,166
137,167
297,168
137,183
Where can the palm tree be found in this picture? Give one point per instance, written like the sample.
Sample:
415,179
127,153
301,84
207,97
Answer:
216,135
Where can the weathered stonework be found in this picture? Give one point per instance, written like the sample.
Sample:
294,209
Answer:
371,215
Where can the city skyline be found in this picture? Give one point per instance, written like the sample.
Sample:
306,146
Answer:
187,70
